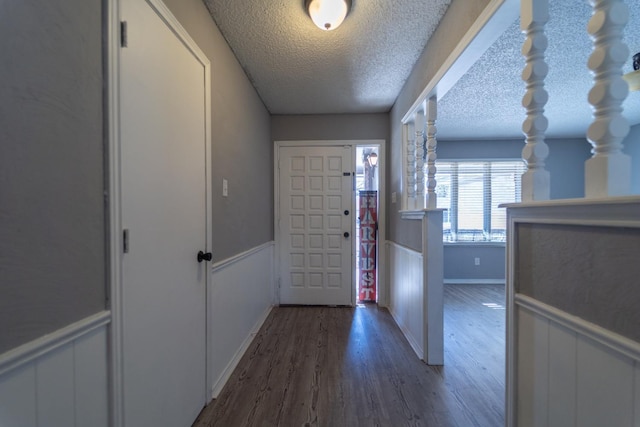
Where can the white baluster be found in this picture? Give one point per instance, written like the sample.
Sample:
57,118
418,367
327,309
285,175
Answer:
432,143
608,171
419,141
534,14
411,167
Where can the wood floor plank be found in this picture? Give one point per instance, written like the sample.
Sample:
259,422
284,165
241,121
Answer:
336,366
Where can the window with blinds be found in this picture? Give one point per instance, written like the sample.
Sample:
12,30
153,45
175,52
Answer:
470,193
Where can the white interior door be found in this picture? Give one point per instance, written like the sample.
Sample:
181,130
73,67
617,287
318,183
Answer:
315,225
163,146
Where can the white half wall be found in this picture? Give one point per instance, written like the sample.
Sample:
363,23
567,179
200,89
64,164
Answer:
59,380
571,372
407,293
239,300
573,342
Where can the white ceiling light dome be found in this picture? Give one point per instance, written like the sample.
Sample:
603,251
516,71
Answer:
328,14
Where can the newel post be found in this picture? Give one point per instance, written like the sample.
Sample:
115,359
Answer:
534,14
608,171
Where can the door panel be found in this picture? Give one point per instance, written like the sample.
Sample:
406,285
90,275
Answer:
315,213
163,144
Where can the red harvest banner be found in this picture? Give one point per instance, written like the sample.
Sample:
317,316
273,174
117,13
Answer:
368,232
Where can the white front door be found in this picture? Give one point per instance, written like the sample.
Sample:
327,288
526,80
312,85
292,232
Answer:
315,225
163,140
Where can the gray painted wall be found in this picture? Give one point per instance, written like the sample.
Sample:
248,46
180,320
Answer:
52,226
574,268
242,151
459,262
52,222
329,126
566,166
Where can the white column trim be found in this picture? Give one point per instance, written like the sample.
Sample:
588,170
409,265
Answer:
410,165
432,144
608,171
432,276
115,336
419,157
534,14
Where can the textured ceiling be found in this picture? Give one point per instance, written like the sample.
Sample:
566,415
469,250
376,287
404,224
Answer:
361,66
486,102
297,68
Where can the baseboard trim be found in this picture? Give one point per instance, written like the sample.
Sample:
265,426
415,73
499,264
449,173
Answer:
35,349
582,327
233,363
474,281
239,257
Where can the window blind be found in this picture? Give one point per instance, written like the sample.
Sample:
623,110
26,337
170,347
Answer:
471,191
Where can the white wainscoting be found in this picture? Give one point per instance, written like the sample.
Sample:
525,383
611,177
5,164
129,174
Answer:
407,293
59,380
240,299
571,372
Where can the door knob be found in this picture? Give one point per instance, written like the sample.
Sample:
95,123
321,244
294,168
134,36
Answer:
346,212
346,234
202,256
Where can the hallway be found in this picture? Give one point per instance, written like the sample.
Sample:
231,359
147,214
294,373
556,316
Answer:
328,366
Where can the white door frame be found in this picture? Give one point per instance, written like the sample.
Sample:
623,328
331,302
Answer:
383,299
114,198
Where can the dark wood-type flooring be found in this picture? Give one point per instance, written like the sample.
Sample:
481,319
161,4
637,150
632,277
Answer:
332,366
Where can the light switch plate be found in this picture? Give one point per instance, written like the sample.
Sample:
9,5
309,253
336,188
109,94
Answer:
225,188
393,197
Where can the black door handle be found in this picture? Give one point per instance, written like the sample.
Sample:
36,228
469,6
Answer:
346,234
346,212
204,256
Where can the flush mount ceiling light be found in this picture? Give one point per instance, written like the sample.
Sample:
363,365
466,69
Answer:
327,14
